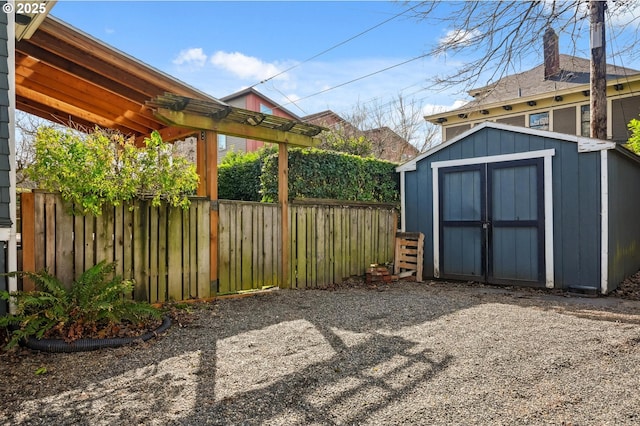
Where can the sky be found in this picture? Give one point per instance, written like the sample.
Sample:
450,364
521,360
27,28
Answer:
308,56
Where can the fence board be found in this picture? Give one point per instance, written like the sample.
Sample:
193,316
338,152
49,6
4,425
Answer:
63,255
166,251
140,247
224,248
191,240
202,243
174,254
160,248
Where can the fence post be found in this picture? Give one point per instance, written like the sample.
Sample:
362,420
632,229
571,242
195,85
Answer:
283,198
28,239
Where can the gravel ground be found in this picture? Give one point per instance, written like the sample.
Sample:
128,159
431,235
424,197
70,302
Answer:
408,353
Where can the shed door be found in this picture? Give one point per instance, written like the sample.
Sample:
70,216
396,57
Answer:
492,222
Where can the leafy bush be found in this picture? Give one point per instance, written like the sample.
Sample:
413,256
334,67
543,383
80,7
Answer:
314,173
94,302
105,167
239,175
634,141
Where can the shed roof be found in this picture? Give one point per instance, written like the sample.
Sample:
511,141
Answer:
584,144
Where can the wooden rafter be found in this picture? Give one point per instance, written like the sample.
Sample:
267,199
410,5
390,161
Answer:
67,76
203,115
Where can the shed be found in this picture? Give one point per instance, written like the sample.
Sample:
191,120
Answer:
501,204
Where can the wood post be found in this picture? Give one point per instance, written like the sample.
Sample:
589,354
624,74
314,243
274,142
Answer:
283,199
598,87
28,235
201,164
211,176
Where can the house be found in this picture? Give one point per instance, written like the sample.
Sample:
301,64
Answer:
513,205
252,100
387,144
552,96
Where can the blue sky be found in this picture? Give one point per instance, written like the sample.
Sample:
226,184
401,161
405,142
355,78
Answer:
221,47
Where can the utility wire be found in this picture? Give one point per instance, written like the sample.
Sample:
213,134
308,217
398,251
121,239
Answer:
335,46
361,78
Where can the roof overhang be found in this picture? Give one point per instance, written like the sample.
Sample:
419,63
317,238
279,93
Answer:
29,16
584,144
69,77
477,110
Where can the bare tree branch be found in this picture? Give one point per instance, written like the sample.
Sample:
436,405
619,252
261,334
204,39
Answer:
499,35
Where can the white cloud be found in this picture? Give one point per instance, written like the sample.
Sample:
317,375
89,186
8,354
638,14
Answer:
194,56
459,37
245,67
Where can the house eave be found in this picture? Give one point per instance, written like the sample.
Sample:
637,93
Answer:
546,99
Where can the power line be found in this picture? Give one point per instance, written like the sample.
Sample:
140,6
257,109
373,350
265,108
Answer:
361,78
335,46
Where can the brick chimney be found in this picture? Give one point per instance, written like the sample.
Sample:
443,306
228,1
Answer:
551,54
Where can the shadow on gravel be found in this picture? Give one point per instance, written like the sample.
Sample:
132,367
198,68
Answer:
290,357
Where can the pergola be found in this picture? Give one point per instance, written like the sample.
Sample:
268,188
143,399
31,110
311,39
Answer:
69,77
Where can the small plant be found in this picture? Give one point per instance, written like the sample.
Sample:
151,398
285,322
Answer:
94,302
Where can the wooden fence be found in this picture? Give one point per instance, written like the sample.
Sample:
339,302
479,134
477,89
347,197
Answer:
329,241
164,249
249,246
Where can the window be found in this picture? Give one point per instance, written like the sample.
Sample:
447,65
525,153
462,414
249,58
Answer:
585,120
222,142
539,121
265,109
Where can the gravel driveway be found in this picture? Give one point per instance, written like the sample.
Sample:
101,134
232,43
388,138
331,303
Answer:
432,353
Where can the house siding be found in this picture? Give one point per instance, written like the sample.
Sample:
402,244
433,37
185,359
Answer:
622,111
5,186
624,226
5,167
576,200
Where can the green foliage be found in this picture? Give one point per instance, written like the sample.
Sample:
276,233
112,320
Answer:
314,173
634,141
239,175
95,301
103,167
360,146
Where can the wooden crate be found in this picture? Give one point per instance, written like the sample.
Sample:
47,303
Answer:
409,252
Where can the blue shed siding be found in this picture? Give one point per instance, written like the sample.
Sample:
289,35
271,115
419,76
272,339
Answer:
624,220
576,199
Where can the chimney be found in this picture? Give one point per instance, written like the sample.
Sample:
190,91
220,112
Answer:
551,54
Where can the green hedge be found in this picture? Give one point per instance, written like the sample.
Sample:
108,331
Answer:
315,173
239,176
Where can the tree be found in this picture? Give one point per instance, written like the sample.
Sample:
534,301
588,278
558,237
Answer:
365,122
26,129
498,35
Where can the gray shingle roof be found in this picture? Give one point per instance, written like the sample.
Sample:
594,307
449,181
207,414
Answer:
574,71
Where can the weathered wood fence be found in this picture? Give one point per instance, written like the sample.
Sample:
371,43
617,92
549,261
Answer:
164,249
329,241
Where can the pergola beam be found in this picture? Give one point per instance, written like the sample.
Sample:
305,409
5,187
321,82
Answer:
226,127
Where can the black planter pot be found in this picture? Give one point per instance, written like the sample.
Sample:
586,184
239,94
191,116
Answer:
81,345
